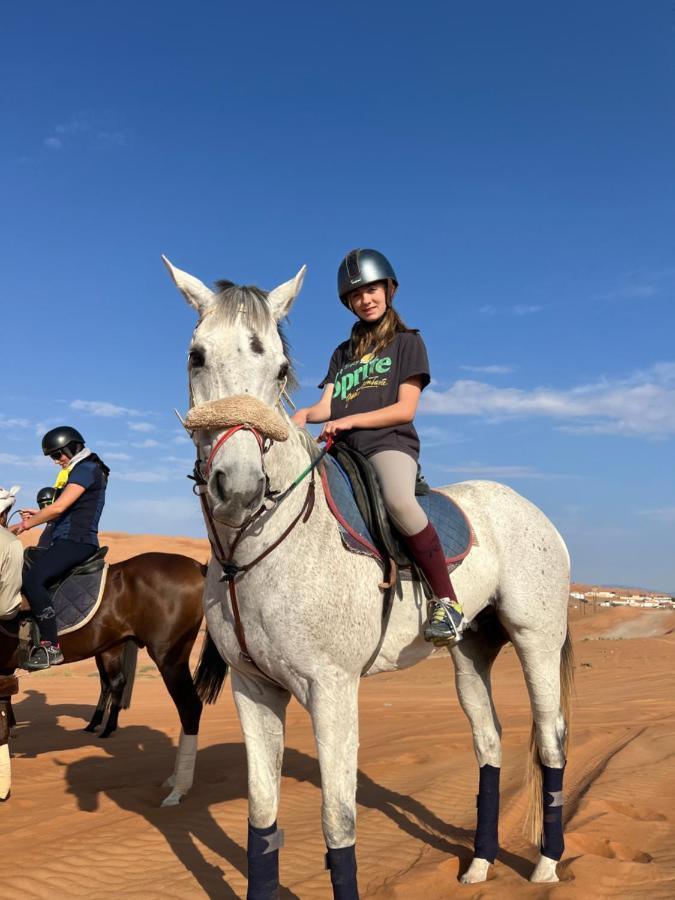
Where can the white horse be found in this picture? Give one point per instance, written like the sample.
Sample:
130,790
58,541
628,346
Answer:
310,611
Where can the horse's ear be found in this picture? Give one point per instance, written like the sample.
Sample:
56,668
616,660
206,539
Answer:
282,297
195,292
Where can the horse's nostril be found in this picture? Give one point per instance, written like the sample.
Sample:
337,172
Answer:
220,485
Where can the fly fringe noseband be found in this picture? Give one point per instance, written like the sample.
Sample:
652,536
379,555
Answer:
240,410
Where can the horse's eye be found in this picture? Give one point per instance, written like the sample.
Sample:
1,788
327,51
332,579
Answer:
283,371
195,359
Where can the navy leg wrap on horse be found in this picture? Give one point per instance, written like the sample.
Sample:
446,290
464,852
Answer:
553,844
263,862
342,865
486,843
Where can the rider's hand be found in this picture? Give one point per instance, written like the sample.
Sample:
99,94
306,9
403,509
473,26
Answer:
18,529
27,513
333,428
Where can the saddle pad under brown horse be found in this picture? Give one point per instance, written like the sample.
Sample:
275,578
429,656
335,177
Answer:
76,600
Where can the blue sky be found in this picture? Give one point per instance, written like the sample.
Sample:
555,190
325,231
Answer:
515,161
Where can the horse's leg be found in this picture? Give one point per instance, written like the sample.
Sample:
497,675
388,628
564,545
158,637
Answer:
178,681
334,709
473,659
104,696
112,662
542,670
262,713
9,686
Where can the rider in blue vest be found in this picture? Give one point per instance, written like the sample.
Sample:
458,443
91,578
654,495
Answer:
74,517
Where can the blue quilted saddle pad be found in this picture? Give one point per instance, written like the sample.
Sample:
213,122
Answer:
453,527
77,599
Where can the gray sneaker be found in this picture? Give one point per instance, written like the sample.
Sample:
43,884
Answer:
44,656
445,623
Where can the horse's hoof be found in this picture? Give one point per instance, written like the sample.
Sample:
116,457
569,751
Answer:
6,797
173,799
106,733
545,871
477,872
90,728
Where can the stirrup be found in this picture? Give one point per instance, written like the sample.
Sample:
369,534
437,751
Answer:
455,628
38,660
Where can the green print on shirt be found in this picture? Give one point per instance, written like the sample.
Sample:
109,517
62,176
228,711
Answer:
366,368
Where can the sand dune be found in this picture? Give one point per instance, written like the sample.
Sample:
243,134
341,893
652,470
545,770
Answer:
84,817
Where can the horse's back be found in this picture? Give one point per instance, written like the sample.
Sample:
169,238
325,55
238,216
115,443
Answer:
520,558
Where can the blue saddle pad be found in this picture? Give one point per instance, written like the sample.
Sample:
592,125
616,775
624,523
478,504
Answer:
453,527
77,599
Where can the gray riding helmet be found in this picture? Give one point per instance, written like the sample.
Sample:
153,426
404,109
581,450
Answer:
363,266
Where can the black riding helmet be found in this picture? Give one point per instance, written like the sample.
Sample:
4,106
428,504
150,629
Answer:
60,439
360,267
46,496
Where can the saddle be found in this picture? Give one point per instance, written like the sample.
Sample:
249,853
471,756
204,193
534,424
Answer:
76,598
94,563
355,498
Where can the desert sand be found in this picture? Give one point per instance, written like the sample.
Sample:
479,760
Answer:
84,818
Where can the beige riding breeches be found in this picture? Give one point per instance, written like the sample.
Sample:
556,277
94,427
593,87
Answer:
397,473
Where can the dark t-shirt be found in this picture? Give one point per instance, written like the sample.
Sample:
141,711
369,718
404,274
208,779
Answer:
372,383
80,521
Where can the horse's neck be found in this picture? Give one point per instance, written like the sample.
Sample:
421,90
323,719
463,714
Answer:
285,461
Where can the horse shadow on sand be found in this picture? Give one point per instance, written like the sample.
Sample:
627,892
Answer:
138,758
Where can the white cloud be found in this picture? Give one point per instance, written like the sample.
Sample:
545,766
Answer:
478,470
642,404
523,309
53,143
518,309
165,510
14,460
7,422
103,408
112,138
141,426
147,476
146,444
665,514
489,370
122,457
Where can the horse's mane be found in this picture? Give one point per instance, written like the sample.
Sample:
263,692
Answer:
309,443
234,302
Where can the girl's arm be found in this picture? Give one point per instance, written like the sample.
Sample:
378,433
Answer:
70,494
320,412
399,413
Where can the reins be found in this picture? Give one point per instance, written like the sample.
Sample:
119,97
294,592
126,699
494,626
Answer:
231,570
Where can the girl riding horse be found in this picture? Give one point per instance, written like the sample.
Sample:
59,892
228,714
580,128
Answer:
370,397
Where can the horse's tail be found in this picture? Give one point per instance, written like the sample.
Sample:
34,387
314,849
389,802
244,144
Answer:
211,672
534,822
128,663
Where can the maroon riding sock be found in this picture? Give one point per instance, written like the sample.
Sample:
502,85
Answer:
425,549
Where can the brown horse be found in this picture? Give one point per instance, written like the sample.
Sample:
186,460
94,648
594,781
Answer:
155,601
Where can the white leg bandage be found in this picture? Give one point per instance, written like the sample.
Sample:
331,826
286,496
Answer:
5,772
183,773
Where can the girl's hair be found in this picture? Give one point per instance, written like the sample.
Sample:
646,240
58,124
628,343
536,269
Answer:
75,446
371,338
94,457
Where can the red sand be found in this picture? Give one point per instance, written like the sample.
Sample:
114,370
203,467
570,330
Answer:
84,818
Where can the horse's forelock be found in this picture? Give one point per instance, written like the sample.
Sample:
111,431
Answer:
234,303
